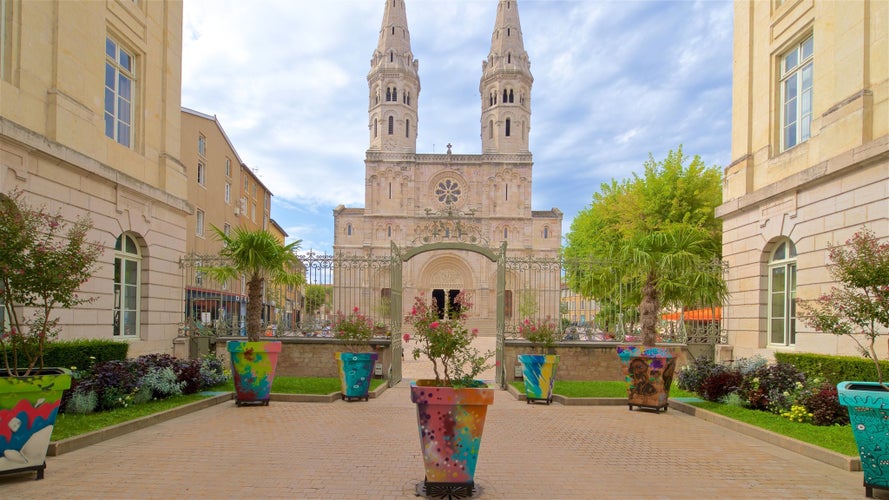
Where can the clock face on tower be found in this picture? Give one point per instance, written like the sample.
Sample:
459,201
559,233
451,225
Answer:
448,191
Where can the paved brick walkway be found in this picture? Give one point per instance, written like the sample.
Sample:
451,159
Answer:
370,450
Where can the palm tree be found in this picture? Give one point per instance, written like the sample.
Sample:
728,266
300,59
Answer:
260,257
676,265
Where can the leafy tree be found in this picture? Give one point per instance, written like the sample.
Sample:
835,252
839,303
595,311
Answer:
43,262
656,233
260,257
861,307
316,296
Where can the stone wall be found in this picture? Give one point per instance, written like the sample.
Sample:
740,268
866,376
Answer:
579,360
313,357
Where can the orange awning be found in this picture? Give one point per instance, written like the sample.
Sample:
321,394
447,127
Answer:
695,315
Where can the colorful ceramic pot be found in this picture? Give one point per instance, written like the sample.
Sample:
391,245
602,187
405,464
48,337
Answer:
450,421
539,374
649,375
356,370
253,370
868,405
28,410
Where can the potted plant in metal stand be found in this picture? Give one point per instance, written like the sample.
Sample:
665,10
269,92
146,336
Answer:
263,260
539,370
451,409
355,366
860,311
43,263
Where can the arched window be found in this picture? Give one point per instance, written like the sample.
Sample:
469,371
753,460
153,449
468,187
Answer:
509,58
348,229
491,129
505,233
505,96
388,94
545,232
782,294
407,128
376,125
390,190
508,124
511,96
391,56
389,232
391,125
127,287
394,94
408,100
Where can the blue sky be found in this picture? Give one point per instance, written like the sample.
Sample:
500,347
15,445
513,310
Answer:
613,81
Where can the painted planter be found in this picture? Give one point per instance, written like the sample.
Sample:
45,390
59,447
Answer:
253,370
868,405
28,410
356,371
450,422
649,375
539,374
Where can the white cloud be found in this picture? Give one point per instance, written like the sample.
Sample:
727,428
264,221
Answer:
614,81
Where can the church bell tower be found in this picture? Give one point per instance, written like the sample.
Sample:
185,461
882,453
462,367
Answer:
505,86
394,85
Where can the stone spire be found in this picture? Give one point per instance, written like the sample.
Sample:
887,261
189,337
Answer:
505,86
394,85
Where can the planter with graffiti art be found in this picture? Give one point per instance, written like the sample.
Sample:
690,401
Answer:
539,374
253,370
356,371
28,409
649,375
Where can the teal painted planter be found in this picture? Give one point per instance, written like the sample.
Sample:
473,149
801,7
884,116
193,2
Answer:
868,405
649,375
28,410
451,421
356,371
539,374
253,370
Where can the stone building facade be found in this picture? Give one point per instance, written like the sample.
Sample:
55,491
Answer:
422,200
90,125
810,151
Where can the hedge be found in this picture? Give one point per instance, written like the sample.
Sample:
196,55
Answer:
835,369
77,353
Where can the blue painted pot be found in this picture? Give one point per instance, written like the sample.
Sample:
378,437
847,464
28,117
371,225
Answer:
868,405
539,374
356,371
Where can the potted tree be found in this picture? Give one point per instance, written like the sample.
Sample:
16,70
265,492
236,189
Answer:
43,262
539,369
451,409
262,259
860,311
355,366
661,241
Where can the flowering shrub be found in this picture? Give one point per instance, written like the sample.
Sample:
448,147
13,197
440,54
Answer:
861,307
693,375
824,405
443,337
773,387
542,333
798,413
355,329
43,263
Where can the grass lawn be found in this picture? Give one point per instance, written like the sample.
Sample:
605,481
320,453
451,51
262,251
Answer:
68,425
836,438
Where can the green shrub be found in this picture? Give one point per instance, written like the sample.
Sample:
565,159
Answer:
82,403
162,382
68,353
834,369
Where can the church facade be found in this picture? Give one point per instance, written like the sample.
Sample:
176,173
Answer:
444,210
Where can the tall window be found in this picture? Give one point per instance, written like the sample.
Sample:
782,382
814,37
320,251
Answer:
228,193
119,77
407,128
391,125
199,223
228,167
508,126
782,295
796,94
202,145
202,174
127,284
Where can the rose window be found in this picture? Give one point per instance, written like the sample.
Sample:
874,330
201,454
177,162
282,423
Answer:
448,191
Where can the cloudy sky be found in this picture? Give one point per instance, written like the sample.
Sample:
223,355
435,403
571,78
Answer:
614,80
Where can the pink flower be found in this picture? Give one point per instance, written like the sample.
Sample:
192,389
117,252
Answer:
433,325
407,337
355,309
475,332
